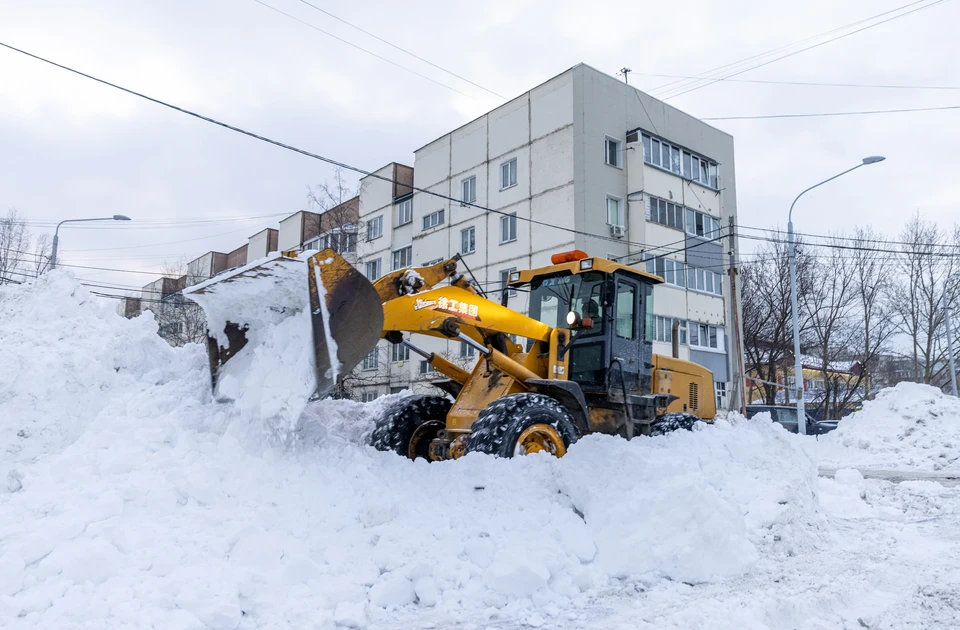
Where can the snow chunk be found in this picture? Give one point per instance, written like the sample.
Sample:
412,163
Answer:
393,591
350,615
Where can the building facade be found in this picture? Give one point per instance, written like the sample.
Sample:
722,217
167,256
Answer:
583,161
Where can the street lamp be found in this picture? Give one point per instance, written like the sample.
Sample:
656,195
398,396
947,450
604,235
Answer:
56,237
953,369
798,363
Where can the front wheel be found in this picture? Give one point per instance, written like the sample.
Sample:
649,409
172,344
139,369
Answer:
408,428
522,424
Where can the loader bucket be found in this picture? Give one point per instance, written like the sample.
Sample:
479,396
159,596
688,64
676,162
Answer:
346,315
322,304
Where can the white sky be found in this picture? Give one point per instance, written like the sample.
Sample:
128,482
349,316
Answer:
72,148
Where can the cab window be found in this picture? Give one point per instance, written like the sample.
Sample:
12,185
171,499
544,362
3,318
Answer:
626,308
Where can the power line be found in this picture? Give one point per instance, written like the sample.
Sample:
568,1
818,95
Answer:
707,74
361,48
817,45
824,114
161,221
316,156
857,248
886,86
848,238
404,50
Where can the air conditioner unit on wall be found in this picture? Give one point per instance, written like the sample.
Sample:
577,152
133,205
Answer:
618,231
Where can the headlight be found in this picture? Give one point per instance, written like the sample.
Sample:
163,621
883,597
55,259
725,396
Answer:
573,318
514,276
586,263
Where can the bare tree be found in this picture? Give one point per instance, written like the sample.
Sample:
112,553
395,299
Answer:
14,246
835,326
41,254
336,209
767,314
917,299
872,287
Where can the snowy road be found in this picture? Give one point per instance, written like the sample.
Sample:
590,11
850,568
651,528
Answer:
897,476
897,567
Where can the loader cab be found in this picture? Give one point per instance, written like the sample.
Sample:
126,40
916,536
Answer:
604,304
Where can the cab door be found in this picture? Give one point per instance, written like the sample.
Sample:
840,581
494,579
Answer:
626,335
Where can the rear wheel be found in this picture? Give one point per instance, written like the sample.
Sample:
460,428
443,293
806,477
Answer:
408,428
673,421
522,424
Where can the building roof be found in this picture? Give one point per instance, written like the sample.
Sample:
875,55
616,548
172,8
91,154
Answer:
571,69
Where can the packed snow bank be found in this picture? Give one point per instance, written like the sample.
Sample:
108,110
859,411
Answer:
159,508
66,358
910,426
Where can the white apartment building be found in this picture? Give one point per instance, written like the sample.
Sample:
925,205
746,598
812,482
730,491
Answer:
583,161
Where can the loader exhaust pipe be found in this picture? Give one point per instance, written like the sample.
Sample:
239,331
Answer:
675,338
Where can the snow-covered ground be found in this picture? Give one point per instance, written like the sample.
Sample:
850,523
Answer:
130,499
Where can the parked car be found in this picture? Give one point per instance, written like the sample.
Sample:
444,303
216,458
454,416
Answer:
787,418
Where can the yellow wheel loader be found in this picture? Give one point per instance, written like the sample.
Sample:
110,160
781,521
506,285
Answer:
587,364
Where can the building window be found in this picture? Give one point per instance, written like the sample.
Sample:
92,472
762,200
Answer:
433,219
468,190
704,280
399,352
612,152
614,211
508,228
665,213
704,336
504,279
508,174
405,212
341,240
374,228
373,269
700,224
426,367
369,396
467,351
721,390
431,263
663,329
468,240
403,257
672,271
372,360
684,163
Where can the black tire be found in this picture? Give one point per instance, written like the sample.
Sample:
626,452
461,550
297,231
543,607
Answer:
397,426
499,426
673,421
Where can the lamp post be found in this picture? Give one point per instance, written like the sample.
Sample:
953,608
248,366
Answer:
798,363
953,368
56,236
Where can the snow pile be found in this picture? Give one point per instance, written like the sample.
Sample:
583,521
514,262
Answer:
694,506
157,507
66,359
270,379
910,426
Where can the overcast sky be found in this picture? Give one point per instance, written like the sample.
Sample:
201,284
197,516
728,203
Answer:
72,148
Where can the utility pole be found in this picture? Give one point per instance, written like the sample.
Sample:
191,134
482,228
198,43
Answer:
953,368
737,364
625,72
